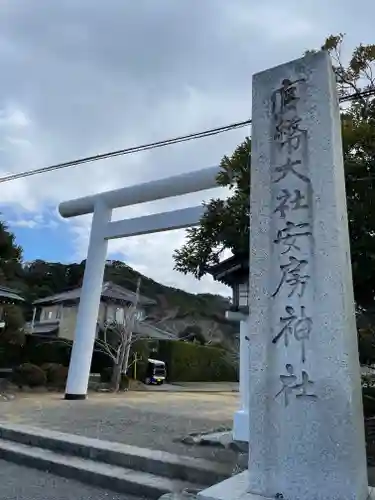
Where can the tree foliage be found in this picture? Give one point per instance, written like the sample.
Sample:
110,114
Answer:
10,272
10,256
14,325
41,279
225,225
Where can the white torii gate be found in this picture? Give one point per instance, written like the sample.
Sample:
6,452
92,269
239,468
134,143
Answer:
102,229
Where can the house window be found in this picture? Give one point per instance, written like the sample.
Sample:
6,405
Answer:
119,315
110,314
47,314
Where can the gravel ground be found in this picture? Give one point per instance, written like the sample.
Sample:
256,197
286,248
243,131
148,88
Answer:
21,483
149,420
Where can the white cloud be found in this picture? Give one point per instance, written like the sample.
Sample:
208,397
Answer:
151,256
31,220
30,223
12,117
80,78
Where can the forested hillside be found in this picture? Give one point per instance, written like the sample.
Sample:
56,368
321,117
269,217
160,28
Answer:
176,310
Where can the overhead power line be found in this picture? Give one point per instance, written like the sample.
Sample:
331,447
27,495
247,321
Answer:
357,95
126,151
155,145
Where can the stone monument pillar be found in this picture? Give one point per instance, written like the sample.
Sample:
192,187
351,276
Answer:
306,427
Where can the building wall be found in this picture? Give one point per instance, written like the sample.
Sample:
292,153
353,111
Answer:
102,313
107,312
115,312
68,322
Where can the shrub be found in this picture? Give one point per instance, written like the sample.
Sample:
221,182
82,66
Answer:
141,370
48,366
188,362
39,350
29,375
106,375
142,348
106,378
10,354
56,374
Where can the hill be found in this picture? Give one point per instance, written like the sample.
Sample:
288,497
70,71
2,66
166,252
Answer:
175,311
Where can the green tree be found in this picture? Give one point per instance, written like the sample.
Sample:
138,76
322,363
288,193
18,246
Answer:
225,224
10,274
14,323
10,256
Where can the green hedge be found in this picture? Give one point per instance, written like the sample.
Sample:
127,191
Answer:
188,362
142,348
39,350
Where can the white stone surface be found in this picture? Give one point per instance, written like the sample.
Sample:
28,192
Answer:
233,488
84,336
241,417
236,488
306,426
190,182
241,425
164,221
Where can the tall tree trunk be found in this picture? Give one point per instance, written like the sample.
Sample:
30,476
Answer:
127,353
116,378
117,369
123,359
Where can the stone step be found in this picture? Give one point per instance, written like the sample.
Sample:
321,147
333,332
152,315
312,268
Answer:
160,463
106,476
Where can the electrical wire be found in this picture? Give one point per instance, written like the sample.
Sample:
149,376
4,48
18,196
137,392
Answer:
357,95
154,145
122,152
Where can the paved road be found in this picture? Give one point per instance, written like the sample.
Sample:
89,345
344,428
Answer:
20,483
147,419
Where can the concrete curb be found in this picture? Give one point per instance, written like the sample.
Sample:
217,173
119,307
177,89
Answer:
106,476
168,465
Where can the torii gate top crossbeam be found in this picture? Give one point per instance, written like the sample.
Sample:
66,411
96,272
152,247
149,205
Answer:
176,185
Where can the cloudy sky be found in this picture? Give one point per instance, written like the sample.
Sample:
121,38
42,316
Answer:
88,76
